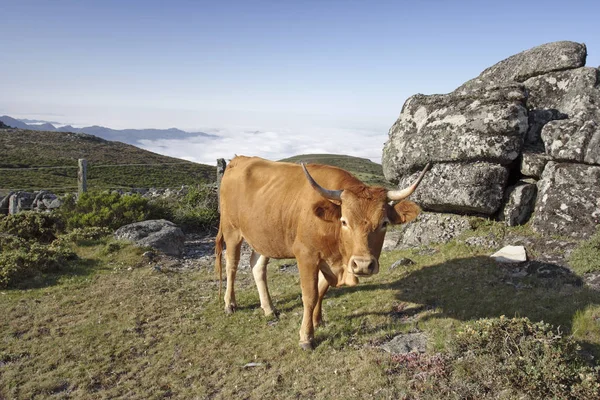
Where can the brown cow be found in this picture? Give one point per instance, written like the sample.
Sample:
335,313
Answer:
281,212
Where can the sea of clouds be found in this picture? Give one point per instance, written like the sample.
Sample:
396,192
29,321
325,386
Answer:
271,136
271,144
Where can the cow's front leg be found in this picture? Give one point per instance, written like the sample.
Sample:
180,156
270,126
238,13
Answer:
309,275
318,312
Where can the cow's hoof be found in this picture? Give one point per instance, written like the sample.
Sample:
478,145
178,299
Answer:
230,309
307,346
271,318
272,314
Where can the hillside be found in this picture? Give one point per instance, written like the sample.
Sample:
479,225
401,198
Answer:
130,136
364,169
106,163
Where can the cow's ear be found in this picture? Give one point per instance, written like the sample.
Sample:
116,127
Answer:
403,212
327,211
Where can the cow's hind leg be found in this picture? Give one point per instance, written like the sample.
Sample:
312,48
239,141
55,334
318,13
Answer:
259,270
233,241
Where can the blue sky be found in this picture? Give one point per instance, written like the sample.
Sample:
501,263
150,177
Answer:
315,75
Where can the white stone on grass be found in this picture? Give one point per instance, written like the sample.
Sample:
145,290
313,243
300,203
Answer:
510,254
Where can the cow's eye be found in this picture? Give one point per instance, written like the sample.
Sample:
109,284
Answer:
384,224
344,223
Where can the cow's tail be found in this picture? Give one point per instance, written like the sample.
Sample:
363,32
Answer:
218,263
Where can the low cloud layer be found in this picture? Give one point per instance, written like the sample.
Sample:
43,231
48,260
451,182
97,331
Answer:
271,144
269,136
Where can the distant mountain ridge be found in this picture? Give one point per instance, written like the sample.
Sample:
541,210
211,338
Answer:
129,136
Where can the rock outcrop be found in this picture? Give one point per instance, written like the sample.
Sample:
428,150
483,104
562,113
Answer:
534,115
15,202
161,235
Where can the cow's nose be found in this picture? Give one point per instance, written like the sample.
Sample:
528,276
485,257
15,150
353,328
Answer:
363,265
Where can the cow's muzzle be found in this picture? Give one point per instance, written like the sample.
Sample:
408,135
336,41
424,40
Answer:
363,266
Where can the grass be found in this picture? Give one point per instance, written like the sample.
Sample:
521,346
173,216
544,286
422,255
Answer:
26,149
117,328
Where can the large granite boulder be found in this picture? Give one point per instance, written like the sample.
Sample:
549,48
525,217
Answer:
483,125
476,188
549,57
568,200
429,228
160,234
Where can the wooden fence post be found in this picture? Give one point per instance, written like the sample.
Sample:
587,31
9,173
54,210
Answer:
82,177
221,164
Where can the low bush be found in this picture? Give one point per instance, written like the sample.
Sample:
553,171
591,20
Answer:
104,209
525,357
21,259
197,210
586,257
32,225
502,358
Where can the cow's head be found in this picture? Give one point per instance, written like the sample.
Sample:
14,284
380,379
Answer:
363,214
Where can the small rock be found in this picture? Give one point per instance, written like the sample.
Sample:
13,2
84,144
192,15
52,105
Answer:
254,364
406,343
510,254
402,262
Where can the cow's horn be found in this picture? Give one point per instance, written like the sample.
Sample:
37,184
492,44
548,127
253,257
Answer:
328,194
396,195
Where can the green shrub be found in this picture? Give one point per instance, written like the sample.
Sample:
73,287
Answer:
20,259
104,209
197,210
524,357
586,257
32,225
